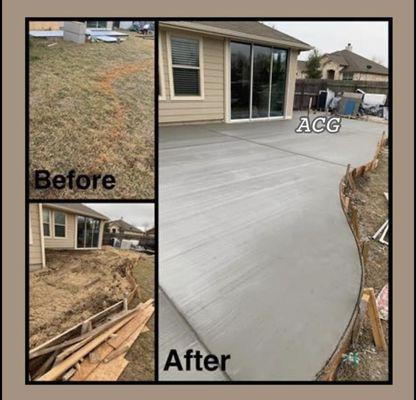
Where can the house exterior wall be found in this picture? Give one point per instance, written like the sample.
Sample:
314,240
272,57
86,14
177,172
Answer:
211,107
370,77
36,256
127,232
68,242
330,65
215,69
113,226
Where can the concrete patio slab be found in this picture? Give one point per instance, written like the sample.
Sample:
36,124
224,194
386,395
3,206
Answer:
255,253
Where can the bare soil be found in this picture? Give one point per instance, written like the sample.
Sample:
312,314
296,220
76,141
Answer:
75,286
372,207
141,359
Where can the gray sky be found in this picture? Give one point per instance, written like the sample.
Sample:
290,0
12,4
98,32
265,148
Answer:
135,214
369,39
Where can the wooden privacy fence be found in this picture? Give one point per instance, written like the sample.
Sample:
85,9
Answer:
306,89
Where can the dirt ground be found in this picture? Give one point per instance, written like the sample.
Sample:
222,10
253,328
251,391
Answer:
78,284
92,110
141,355
372,207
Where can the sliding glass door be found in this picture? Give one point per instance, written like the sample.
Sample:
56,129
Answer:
278,82
258,80
240,80
88,232
261,81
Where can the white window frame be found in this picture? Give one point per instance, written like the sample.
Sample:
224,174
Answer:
100,233
161,72
200,68
227,81
66,223
50,223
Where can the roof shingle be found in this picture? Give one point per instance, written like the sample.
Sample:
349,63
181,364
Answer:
355,63
77,208
126,226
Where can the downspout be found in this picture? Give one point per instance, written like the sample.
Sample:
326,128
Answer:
42,240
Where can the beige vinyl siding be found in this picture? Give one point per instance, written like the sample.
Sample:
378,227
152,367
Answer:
35,247
62,243
211,108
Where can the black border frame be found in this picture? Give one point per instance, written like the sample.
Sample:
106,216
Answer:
28,201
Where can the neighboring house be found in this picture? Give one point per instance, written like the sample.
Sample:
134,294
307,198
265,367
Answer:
123,24
301,70
99,24
225,71
62,226
347,65
150,232
124,230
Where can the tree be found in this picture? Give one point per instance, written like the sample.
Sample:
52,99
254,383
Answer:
313,65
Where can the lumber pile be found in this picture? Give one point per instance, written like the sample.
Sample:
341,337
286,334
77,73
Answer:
93,350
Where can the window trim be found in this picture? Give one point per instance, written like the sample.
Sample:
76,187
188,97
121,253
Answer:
227,90
66,223
100,233
201,67
161,71
49,223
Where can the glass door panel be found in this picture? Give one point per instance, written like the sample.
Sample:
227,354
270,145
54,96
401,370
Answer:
277,96
261,81
95,233
258,81
88,232
80,232
240,80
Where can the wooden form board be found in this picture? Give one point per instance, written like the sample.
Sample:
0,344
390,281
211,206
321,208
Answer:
125,336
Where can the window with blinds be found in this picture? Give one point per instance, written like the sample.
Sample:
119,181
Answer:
185,66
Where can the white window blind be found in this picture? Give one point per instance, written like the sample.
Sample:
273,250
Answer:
185,66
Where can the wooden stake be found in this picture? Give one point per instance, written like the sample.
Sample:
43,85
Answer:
364,251
374,317
86,327
354,221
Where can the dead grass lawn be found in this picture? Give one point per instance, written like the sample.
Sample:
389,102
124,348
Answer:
92,110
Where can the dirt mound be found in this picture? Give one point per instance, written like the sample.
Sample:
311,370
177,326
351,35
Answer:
76,285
